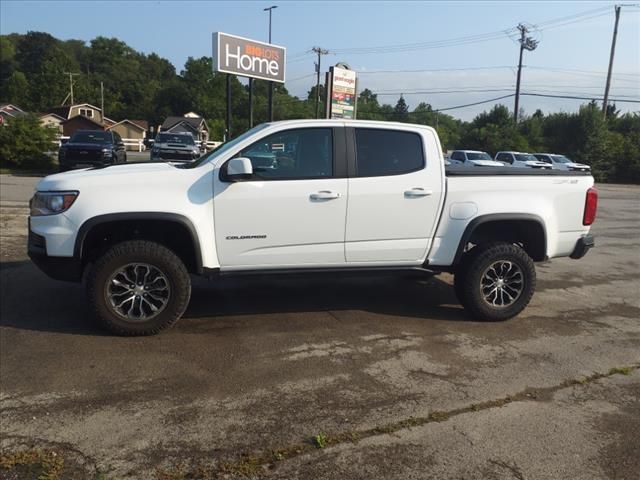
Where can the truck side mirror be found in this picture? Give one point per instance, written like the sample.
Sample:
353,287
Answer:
237,169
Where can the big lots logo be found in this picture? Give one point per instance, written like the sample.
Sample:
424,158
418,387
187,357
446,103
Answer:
254,59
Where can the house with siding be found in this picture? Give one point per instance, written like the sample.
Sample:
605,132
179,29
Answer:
190,123
79,122
52,120
131,130
85,109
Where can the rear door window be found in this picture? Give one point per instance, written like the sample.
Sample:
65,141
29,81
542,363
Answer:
457,156
387,152
505,157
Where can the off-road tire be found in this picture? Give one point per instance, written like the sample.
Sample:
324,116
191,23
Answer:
468,280
150,253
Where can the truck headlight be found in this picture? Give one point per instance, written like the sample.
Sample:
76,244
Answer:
51,203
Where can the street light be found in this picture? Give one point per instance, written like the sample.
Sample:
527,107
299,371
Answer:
269,9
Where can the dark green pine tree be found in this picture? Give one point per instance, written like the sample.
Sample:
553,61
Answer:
401,111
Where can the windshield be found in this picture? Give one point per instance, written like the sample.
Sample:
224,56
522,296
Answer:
91,137
478,156
560,159
525,157
169,138
223,148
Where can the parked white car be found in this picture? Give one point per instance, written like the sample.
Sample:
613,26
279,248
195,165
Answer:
336,196
560,162
521,159
473,158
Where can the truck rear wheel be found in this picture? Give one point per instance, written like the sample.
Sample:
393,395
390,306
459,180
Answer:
495,282
138,288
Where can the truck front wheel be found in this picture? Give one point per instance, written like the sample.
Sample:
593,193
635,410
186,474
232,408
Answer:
138,288
496,282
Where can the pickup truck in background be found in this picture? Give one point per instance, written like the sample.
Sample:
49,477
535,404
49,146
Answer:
91,148
520,159
560,162
174,147
334,196
473,158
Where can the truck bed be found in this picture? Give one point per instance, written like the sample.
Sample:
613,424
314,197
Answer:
462,171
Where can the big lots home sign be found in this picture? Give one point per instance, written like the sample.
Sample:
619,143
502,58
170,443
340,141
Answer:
248,58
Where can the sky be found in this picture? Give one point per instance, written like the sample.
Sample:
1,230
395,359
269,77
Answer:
443,53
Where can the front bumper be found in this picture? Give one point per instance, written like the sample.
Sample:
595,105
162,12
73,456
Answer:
174,155
583,245
68,269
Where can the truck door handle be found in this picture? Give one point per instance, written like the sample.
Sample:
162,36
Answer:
324,195
417,192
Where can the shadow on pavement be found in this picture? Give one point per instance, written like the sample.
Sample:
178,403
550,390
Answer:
29,300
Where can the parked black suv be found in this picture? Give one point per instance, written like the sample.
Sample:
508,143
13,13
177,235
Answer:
91,148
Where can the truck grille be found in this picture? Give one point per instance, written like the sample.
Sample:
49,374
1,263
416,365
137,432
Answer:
81,156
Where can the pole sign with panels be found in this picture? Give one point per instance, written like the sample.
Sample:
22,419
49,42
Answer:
342,87
248,58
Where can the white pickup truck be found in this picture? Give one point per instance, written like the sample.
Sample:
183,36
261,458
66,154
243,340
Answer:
303,196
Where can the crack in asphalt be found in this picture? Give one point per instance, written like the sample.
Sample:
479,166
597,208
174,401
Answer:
258,464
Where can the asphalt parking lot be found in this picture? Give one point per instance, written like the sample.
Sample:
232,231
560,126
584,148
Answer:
330,378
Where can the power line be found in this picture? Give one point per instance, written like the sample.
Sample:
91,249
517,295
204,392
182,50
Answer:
575,70
459,41
374,72
572,97
487,90
300,78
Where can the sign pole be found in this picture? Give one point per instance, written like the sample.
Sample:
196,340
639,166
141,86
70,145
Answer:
250,102
228,132
328,81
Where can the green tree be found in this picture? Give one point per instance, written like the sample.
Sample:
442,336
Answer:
401,111
23,141
368,106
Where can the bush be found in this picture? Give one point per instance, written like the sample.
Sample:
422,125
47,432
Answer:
24,142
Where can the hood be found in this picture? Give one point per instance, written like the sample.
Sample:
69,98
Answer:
119,174
485,163
577,165
86,146
536,163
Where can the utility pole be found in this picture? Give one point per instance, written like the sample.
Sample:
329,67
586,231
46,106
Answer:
526,43
102,100
71,75
270,9
319,51
613,51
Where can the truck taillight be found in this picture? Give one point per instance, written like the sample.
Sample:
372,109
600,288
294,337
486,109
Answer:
590,206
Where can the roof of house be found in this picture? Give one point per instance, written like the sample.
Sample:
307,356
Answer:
64,110
11,110
40,115
142,124
193,122
85,119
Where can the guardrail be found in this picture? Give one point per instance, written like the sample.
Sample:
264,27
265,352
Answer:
137,143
